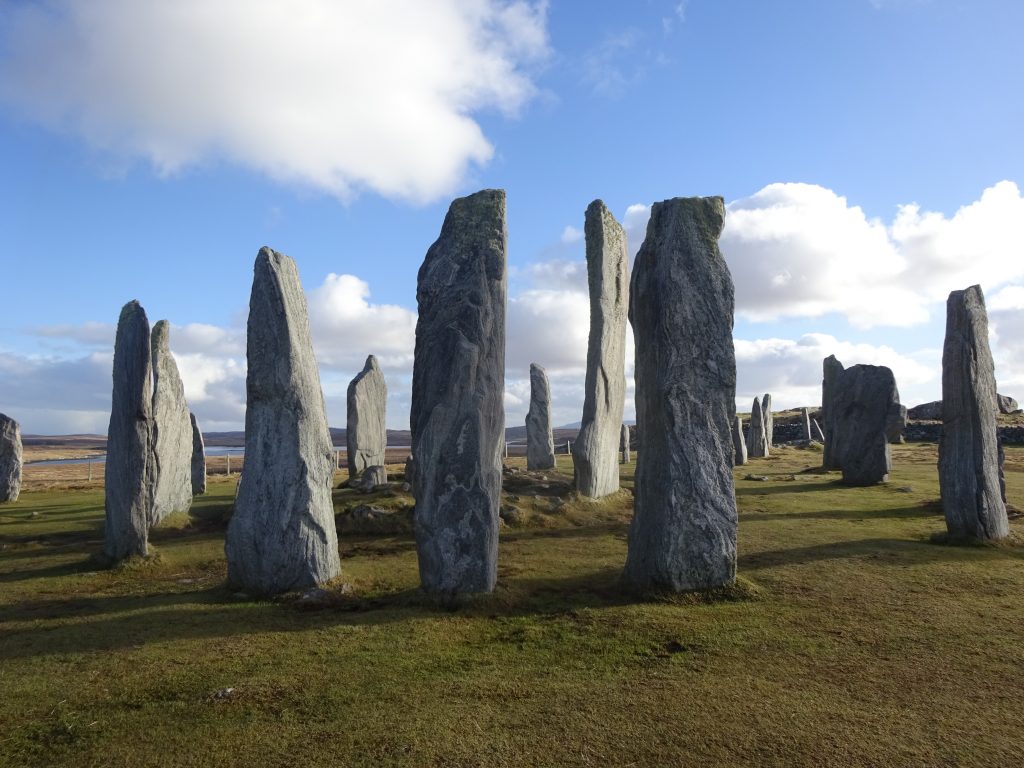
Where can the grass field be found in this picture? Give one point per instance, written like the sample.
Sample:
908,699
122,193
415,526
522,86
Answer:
853,638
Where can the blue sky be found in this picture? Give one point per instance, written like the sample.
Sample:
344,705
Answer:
869,151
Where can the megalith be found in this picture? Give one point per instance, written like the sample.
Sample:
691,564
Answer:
366,436
624,444
968,448
172,432
1006,404
540,442
897,422
594,451
831,369
198,459
683,533
805,424
10,459
757,433
457,416
129,474
861,408
739,444
769,420
282,534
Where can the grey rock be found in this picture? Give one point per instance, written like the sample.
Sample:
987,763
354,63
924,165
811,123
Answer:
624,444
129,471
11,459
805,423
683,533
757,432
282,535
595,448
861,411
410,469
1006,404
968,449
1002,468
832,370
172,432
371,477
739,444
769,420
540,442
897,423
816,432
198,459
458,416
926,411
366,434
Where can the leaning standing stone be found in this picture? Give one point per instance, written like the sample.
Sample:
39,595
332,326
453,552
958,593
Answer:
10,459
458,385
172,432
739,445
366,434
968,448
683,534
757,434
282,534
198,459
594,451
769,420
863,400
129,471
624,441
832,370
540,443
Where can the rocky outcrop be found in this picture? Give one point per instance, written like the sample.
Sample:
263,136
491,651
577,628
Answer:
198,459
683,533
1006,404
832,369
926,411
757,433
595,448
861,408
172,432
739,444
624,445
129,471
282,534
969,450
769,420
10,459
540,442
457,416
366,433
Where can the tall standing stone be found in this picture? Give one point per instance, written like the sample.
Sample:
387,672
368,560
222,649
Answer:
129,473
897,422
540,442
805,424
968,449
594,451
863,400
458,416
198,459
769,420
757,433
832,370
739,444
366,435
172,432
683,533
10,459
282,534
624,444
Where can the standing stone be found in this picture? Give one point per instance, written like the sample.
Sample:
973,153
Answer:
739,445
172,432
366,435
594,454
968,448
862,401
10,459
757,434
769,420
897,422
624,440
198,459
1007,404
540,443
282,534
129,473
805,423
458,385
1002,469
816,432
832,369
683,533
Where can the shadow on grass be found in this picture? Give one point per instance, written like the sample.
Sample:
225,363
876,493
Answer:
885,551
772,487
930,509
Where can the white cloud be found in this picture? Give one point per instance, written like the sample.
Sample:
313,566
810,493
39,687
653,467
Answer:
571,235
338,96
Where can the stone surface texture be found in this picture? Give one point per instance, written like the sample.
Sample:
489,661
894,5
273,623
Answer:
366,435
540,441
769,420
282,534
129,473
739,443
861,408
595,450
458,416
897,423
968,449
805,423
1006,404
198,458
172,432
683,533
371,477
11,459
832,370
624,444
757,433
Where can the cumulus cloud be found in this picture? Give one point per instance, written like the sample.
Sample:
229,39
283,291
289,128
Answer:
282,88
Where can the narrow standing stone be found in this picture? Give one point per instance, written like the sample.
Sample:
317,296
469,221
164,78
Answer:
863,397
769,420
540,443
198,459
129,471
805,422
172,432
816,431
366,435
683,533
282,534
10,459
624,441
897,422
739,445
832,370
458,385
757,434
594,452
968,447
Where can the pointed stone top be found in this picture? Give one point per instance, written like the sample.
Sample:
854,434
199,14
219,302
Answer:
537,367
371,364
131,309
161,335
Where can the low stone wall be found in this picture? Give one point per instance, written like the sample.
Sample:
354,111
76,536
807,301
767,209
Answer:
915,432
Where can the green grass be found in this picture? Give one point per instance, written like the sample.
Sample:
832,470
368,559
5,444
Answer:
851,639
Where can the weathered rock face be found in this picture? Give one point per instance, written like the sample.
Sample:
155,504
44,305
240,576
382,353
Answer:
769,420
683,533
739,444
805,423
371,477
926,411
366,434
129,471
757,434
833,369
1006,404
457,416
198,459
624,444
172,432
860,408
10,459
897,423
968,448
594,451
540,443
282,534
